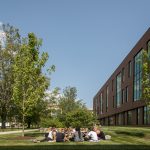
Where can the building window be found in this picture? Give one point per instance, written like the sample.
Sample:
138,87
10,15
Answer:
129,69
119,119
123,75
146,115
107,94
101,103
112,85
127,94
123,96
111,120
123,118
138,76
138,116
96,106
113,102
118,90
129,117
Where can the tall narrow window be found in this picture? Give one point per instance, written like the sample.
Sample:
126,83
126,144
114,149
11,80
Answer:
101,103
123,96
138,76
129,69
138,116
118,90
112,85
113,102
129,118
127,94
146,115
107,94
123,75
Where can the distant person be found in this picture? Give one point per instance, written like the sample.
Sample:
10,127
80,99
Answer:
60,135
100,134
78,136
92,135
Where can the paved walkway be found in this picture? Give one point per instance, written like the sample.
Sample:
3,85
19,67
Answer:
18,131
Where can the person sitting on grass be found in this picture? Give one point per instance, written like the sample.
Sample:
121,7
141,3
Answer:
49,136
100,134
92,135
60,136
78,136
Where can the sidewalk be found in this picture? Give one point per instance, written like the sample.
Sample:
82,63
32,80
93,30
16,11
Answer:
19,131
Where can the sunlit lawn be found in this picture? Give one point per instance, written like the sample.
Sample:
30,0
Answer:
122,138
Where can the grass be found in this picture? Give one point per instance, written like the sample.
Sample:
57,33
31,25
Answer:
123,138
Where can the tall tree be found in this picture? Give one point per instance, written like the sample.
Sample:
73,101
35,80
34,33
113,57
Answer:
69,101
29,82
146,77
8,49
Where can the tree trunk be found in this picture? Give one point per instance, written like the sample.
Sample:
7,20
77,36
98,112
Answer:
29,124
23,125
3,118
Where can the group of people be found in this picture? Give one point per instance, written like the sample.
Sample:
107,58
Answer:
73,134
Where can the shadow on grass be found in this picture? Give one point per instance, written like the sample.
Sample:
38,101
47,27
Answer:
36,134
77,147
137,134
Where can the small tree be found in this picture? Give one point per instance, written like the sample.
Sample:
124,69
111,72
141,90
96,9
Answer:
29,82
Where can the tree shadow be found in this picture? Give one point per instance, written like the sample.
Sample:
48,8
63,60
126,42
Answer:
137,134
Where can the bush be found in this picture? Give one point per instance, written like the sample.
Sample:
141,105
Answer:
51,122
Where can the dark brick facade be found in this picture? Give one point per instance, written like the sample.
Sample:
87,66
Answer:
130,112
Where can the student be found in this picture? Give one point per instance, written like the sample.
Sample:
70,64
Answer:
48,136
78,136
92,135
100,134
60,136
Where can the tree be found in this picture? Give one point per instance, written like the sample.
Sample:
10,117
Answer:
29,82
146,77
69,101
8,48
80,118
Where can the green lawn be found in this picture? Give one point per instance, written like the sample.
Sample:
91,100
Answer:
123,138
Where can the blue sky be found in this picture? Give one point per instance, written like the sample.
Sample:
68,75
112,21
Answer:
86,39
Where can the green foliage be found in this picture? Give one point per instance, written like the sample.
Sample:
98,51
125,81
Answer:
7,54
29,82
80,118
69,100
146,78
74,112
51,122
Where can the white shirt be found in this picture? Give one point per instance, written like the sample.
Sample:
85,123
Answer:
50,135
93,136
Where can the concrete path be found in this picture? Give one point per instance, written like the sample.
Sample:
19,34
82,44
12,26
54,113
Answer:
19,131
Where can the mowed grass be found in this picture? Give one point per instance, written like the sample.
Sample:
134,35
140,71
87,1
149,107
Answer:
123,138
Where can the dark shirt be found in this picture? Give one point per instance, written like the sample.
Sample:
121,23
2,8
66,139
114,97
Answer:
60,137
77,137
101,136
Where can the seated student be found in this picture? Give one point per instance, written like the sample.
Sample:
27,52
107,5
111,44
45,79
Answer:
100,134
92,135
48,136
60,136
78,136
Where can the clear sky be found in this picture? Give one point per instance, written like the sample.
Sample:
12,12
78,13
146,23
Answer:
86,39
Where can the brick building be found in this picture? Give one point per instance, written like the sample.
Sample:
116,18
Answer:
119,102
